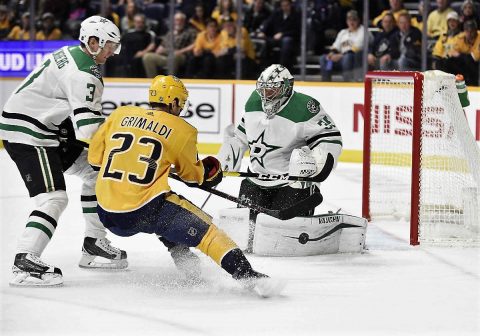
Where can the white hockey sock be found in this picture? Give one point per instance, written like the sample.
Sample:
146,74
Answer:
42,222
93,227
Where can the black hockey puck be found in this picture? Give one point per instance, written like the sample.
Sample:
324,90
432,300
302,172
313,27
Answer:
303,238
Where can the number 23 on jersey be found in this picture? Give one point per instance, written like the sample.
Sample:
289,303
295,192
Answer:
148,158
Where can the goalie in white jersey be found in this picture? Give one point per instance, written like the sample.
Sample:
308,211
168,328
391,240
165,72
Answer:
39,136
287,133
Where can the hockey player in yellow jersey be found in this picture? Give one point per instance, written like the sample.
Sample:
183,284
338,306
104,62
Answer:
134,151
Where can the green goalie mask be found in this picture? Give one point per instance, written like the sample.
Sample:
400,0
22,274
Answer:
275,86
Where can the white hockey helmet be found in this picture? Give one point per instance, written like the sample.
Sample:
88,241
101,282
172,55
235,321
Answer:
101,28
275,86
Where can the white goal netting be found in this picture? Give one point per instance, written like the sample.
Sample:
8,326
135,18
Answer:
449,176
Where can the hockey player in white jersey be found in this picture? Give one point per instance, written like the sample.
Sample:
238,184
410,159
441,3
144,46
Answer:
287,132
37,131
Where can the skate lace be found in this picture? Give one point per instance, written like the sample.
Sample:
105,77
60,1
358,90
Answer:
106,245
38,261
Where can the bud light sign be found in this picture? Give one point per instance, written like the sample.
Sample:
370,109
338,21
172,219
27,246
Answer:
19,58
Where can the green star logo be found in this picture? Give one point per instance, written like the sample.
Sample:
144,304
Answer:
259,148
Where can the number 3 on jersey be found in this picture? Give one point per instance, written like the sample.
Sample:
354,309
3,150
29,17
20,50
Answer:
128,139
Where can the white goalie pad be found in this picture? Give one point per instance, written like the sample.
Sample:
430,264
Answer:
300,236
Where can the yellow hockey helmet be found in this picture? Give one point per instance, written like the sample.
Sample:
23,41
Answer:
165,89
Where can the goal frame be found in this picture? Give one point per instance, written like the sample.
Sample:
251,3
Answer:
418,80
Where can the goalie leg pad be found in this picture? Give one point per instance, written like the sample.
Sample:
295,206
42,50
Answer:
300,236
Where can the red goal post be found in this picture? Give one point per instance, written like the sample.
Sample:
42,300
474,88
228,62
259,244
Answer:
407,157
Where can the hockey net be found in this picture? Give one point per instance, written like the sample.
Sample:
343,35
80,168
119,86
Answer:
421,161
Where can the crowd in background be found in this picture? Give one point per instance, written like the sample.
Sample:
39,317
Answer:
204,35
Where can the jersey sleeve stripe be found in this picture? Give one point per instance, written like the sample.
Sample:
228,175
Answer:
241,129
337,142
323,135
89,121
86,110
28,119
26,130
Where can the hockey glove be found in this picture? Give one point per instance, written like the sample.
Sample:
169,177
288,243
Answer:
68,149
316,163
212,172
302,163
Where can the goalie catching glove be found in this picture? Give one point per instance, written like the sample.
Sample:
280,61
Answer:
316,163
212,172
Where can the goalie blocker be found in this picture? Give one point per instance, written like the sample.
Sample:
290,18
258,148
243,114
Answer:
301,236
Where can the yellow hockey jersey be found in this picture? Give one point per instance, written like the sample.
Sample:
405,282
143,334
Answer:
135,149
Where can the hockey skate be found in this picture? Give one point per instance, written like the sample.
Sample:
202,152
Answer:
259,283
98,253
29,270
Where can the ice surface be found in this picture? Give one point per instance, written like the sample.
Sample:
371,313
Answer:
391,289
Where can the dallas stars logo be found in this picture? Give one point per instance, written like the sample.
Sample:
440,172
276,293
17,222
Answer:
259,148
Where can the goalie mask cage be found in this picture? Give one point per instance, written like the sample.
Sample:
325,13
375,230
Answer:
420,159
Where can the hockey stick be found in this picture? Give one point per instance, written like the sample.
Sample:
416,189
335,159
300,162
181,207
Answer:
268,177
206,200
322,176
283,214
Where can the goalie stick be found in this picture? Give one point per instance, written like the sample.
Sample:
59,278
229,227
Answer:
320,177
283,214
271,177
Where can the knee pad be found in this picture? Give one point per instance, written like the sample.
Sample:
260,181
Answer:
216,244
52,203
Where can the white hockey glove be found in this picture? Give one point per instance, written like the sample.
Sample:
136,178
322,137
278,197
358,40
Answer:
302,163
232,150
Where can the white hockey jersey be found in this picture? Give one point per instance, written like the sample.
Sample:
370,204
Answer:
301,122
68,82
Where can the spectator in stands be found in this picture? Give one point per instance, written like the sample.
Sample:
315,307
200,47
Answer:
127,21
282,30
466,54
255,15
206,48
469,13
345,54
111,15
78,10
326,21
48,31
137,43
385,45
183,39
5,24
417,20
446,42
199,18
396,8
410,44
58,8
21,32
228,52
225,9
437,19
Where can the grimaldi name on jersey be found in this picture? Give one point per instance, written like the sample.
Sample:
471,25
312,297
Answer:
147,125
